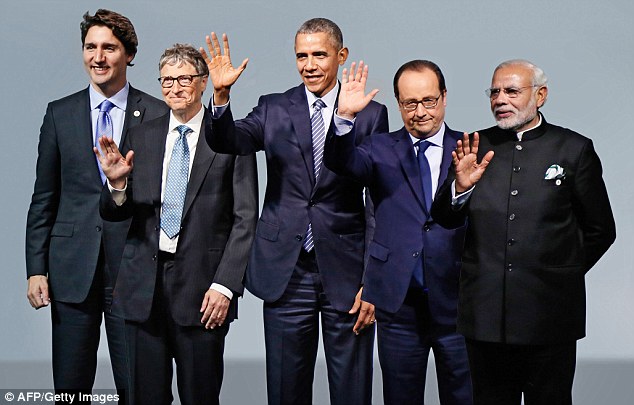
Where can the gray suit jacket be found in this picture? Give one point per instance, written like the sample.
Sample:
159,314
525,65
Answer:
217,227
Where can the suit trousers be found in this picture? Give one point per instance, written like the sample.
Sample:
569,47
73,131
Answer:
197,352
404,342
76,330
501,373
291,330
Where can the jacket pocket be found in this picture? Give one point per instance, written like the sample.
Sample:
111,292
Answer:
267,231
378,251
63,229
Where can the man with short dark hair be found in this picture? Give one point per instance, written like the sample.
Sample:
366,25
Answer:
307,257
72,256
538,218
193,217
414,263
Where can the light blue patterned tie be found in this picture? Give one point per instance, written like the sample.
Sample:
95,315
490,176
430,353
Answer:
104,127
176,184
319,138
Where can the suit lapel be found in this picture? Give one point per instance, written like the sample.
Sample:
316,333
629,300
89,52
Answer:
300,118
203,159
155,144
85,133
449,145
407,157
133,114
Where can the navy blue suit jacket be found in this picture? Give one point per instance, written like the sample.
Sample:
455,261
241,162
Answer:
387,164
64,231
280,125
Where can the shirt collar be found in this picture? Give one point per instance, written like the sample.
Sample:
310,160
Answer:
435,140
521,133
195,123
120,99
329,98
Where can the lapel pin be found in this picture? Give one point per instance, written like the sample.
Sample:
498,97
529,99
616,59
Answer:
137,113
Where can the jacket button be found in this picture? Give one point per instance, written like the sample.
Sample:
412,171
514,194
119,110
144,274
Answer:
298,237
156,228
511,242
154,257
98,228
514,192
415,254
518,147
311,203
516,169
511,217
426,228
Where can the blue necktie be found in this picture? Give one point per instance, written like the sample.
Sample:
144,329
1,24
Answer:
425,172
425,175
104,127
319,138
176,184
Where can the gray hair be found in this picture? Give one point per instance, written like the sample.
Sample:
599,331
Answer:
181,53
315,25
539,77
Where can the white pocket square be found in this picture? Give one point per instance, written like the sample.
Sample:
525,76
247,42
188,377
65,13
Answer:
555,172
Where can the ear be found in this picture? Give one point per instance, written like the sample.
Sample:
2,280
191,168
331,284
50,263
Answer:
203,83
342,56
444,98
129,58
542,95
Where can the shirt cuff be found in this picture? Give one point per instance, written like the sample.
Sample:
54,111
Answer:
217,110
342,125
118,195
222,290
457,201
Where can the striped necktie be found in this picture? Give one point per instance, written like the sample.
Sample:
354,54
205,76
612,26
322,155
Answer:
319,138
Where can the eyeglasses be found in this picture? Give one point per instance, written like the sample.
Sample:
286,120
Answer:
183,80
412,105
511,92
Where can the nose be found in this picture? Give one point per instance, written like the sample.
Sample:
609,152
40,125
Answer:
99,55
176,87
420,111
310,63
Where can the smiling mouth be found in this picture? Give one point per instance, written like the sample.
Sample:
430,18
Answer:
100,68
503,114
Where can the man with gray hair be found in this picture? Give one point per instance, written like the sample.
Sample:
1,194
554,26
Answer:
193,217
538,219
307,258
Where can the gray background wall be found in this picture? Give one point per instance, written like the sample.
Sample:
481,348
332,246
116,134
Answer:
585,47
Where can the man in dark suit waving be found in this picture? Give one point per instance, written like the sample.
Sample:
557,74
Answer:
193,218
72,256
307,257
414,263
538,219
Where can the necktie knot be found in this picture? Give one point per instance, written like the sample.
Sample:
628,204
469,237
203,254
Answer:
318,105
105,106
184,130
422,146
